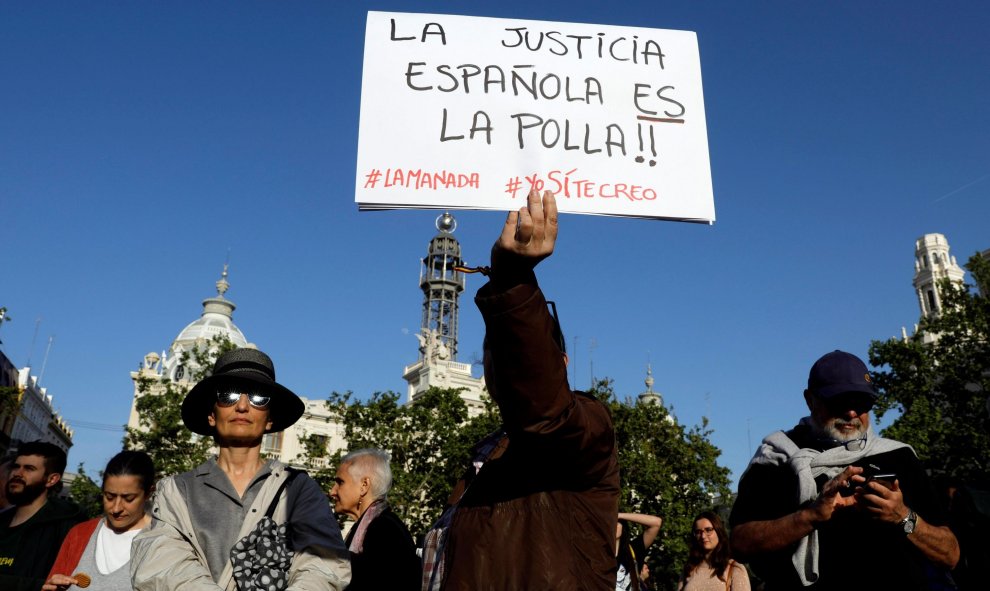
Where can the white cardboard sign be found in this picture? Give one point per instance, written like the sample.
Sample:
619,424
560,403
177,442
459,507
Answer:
469,113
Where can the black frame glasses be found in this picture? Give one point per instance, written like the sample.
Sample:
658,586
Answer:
226,399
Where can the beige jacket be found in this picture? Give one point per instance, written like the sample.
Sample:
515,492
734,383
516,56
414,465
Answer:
167,556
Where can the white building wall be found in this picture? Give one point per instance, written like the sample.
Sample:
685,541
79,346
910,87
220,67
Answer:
38,420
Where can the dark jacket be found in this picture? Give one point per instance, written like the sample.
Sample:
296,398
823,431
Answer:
24,566
388,559
541,513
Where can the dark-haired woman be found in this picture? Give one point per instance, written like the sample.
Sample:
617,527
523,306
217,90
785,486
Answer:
101,547
709,566
630,553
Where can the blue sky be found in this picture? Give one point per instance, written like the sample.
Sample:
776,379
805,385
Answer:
140,142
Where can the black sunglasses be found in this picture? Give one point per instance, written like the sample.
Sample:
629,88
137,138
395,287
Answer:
230,399
837,405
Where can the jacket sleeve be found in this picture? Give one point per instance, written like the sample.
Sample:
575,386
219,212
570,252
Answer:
72,548
163,557
321,561
312,572
527,377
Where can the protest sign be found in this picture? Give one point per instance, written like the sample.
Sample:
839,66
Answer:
467,112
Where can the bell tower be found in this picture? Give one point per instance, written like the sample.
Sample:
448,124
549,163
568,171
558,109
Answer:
932,263
437,365
441,286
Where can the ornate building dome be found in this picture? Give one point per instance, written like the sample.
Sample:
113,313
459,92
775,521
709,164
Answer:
216,319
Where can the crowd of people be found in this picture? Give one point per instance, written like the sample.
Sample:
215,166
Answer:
825,505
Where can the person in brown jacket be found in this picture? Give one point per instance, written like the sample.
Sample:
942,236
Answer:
537,509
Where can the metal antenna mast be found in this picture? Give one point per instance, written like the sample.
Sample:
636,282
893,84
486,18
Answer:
44,363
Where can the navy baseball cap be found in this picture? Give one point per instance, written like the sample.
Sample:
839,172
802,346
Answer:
840,373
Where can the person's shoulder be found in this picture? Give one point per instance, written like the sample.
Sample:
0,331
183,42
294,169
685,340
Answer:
388,529
184,478
896,454
6,516
390,519
591,400
761,472
85,528
57,509
299,479
802,436
303,488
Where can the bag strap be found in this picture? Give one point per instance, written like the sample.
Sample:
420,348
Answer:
728,575
278,493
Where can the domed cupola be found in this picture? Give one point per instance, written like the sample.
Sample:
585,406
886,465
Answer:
216,319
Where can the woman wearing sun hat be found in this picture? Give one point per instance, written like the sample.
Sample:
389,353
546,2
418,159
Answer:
200,515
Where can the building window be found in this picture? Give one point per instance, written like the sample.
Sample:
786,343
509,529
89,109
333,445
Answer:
271,444
931,301
320,442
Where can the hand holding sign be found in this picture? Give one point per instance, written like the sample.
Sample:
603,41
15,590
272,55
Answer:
528,236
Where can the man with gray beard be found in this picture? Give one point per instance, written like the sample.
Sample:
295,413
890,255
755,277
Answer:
831,505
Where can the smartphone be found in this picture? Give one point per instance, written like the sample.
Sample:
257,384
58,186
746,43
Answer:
886,479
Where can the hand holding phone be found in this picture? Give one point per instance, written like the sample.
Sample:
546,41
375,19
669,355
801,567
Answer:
886,479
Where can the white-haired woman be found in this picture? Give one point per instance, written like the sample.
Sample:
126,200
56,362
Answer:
383,555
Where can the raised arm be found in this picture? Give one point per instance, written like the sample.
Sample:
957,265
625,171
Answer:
651,525
525,369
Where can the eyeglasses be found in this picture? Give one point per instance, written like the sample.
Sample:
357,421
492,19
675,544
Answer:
231,398
704,531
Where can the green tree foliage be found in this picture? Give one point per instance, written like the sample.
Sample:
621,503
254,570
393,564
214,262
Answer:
665,470
87,494
10,400
940,389
159,406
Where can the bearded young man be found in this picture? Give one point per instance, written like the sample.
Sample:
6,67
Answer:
32,531
831,505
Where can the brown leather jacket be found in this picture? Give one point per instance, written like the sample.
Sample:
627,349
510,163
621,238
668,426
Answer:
541,513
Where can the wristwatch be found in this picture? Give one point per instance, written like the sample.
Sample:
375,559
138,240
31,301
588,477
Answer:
909,522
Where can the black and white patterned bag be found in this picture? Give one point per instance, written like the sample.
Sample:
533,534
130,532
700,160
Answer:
262,558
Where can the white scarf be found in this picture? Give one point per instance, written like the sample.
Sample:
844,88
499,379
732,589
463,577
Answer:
778,449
